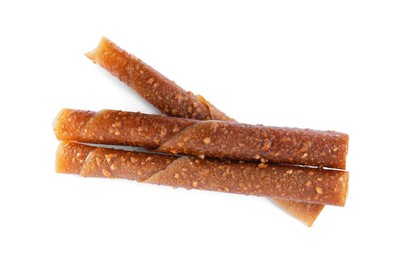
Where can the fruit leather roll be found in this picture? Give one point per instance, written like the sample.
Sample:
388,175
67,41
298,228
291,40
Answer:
314,185
215,139
163,93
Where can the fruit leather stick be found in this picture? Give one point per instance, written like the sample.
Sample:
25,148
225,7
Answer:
161,92
215,139
306,184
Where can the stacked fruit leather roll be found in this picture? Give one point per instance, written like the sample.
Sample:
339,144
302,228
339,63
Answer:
313,185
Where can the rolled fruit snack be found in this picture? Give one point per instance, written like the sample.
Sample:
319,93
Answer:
214,139
154,87
159,90
314,185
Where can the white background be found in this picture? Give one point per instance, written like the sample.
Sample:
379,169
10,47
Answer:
330,65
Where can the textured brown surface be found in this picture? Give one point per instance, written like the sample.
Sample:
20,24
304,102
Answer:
215,139
117,127
305,212
305,184
70,157
163,93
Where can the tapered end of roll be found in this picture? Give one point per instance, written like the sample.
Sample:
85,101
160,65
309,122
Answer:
70,157
58,122
345,180
307,213
92,55
69,124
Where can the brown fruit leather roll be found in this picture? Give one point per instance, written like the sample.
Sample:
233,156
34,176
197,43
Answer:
163,93
215,139
305,184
